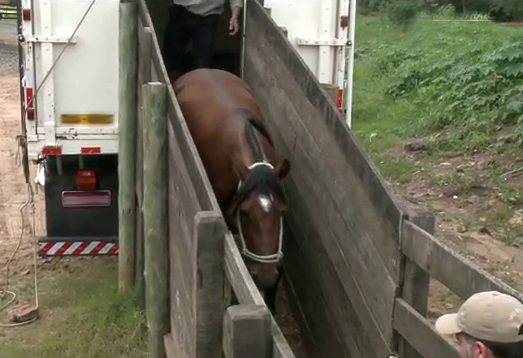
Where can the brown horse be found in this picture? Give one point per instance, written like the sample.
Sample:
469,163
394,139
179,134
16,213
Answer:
240,160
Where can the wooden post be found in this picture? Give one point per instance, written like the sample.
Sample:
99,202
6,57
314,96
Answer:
145,46
209,237
155,220
247,332
415,290
127,94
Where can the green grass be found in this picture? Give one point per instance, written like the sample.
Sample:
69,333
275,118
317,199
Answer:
82,315
400,77
398,170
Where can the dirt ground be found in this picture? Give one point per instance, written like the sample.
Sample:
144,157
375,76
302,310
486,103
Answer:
13,189
469,195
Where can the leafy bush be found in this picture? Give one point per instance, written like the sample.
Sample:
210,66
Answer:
401,13
475,92
499,10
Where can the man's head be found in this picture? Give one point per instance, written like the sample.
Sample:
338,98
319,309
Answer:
488,324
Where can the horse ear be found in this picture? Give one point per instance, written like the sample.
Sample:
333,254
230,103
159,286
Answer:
283,169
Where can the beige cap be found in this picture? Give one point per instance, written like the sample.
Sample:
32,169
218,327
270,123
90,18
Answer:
492,316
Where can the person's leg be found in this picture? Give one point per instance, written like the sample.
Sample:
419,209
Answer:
204,36
176,39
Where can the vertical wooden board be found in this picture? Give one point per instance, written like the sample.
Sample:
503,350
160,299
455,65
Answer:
350,317
188,150
247,332
139,267
181,182
183,206
127,91
416,281
319,326
247,293
183,257
155,74
296,111
360,254
209,237
156,255
183,310
144,59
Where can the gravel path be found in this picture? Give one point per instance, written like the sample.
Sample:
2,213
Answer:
8,49
13,190
8,59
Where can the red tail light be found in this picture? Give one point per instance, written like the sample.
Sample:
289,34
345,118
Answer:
344,21
26,14
86,180
30,114
29,104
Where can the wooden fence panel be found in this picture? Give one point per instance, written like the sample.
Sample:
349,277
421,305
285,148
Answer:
415,281
209,233
420,334
454,271
247,293
451,269
350,247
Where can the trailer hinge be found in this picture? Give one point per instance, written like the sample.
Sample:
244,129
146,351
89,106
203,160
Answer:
55,39
310,41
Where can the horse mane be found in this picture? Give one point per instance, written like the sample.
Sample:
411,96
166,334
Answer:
262,177
255,122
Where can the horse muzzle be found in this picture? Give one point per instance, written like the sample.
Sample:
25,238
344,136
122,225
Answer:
265,276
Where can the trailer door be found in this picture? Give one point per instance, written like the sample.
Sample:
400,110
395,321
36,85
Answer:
71,76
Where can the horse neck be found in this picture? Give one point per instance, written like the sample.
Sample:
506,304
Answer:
257,147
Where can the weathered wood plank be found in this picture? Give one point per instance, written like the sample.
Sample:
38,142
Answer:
145,53
156,246
183,206
374,187
416,281
460,275
420,334
188,150
247,293
128,71
247,332
209,236
172,348
335,285
340,216
139,265
316,290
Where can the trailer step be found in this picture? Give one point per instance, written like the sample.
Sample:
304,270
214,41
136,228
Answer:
77,246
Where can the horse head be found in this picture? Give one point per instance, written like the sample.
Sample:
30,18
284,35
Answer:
257,210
